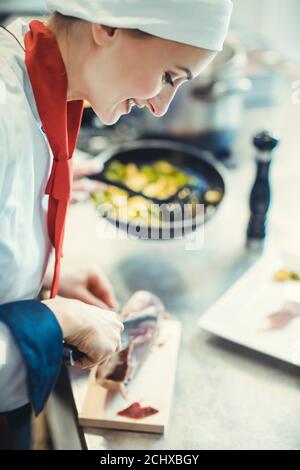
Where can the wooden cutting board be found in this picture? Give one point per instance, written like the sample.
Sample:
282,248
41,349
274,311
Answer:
152,386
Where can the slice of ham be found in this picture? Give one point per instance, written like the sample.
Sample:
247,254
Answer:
136,411
283,317
144,311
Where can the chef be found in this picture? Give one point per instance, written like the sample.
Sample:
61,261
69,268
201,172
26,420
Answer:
115,54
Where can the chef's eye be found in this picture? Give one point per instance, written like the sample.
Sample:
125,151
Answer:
167,79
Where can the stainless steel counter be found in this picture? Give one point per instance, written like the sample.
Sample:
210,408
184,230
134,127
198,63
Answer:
225,397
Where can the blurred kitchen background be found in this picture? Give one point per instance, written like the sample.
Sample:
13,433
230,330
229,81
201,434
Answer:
252,86
255,72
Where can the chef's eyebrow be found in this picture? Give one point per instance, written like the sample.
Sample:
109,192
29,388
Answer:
189,75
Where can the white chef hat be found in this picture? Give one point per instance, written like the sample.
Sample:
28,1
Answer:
200,23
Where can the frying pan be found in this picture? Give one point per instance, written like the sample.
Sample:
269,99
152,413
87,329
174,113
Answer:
187,158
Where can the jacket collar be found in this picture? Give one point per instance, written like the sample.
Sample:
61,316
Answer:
19,28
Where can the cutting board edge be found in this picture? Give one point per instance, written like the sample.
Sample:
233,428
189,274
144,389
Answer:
134,425
122,426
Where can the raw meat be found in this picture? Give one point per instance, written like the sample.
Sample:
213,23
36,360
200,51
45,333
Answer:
141,314
140,301
281,319
136,411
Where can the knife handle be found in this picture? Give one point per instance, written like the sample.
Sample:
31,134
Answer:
71,354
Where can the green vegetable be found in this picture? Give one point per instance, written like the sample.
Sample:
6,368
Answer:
159,180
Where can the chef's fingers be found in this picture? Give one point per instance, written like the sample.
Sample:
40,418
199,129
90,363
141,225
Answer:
88,186
100,286
101,369
103,362
119,346
86,167
87,362
78,196
84,363
89,298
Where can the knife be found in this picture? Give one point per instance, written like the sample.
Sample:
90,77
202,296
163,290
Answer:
71,354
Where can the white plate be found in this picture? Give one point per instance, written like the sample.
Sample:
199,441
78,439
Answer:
241,314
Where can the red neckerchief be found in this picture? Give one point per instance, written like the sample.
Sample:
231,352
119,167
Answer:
61,122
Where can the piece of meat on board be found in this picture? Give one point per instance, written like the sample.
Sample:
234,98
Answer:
136,411
140,301
141,329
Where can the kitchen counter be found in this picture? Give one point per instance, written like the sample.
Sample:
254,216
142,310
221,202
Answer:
225,396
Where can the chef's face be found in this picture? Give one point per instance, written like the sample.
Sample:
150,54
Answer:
124,67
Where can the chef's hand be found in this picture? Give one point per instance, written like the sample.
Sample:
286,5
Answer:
83,186
90,285
90,329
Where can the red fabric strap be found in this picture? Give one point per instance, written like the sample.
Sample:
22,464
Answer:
61,122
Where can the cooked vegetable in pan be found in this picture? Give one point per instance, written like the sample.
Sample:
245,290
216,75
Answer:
159,180
285,275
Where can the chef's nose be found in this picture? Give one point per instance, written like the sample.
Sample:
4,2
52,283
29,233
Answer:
159,104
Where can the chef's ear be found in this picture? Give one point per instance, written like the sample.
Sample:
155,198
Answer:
103,35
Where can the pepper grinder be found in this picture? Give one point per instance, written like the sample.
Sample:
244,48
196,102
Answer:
265,142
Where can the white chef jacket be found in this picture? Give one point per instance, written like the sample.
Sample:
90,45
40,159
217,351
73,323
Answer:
25,164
